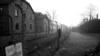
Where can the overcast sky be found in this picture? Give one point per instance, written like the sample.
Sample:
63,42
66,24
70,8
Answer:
68,12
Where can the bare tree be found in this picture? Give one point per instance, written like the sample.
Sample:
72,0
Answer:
91,11
48,14
52,16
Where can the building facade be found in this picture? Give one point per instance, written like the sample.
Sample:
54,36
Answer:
41,22
16,23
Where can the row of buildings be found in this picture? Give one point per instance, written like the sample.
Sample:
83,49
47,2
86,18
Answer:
22,13
19,22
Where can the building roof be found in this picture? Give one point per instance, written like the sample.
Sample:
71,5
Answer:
29,5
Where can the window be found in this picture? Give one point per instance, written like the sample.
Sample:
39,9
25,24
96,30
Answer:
30,26
24,15
16,12
0,8
17,26
25,27
27,7
30,17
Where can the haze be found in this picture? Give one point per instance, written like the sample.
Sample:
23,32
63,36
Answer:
68,12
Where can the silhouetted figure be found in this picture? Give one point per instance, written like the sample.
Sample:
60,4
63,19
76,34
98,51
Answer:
59,32
59,36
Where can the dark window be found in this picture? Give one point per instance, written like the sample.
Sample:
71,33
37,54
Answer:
24,15
27,7
17,26
30,26
25,27
31,17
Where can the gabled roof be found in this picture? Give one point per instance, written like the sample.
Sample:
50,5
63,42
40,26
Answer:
29,5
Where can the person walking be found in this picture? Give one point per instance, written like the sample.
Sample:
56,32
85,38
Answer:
59,36
59,32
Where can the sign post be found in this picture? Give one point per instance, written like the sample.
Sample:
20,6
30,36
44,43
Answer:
14,50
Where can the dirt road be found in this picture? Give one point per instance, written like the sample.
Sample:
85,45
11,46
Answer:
77,44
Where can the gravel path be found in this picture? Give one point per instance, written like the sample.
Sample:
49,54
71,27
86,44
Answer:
77,44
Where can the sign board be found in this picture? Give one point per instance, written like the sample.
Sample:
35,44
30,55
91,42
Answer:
14,50
9,50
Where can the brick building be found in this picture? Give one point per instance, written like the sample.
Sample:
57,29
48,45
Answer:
41,22
19,23
16,23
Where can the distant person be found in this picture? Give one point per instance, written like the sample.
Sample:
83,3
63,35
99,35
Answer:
59,36
59,32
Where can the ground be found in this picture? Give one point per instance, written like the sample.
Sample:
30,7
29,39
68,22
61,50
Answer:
77,44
